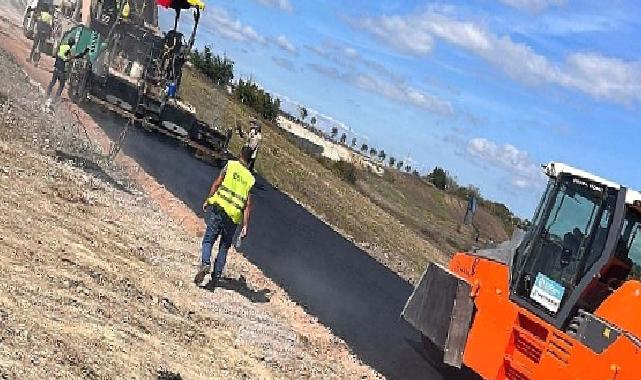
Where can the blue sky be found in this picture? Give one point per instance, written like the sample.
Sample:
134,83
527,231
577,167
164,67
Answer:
487,89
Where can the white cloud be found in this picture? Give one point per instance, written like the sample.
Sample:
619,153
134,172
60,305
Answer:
524,173
284,5
224,24
533,5
348,58
285,44
604,77
285,63
404,94
596,75
351,52
400,32
393,90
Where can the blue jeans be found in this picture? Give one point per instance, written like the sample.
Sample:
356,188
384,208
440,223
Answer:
218,224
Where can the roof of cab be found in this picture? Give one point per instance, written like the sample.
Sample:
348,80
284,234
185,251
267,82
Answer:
554,169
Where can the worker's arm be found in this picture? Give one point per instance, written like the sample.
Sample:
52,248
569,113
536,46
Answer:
80,55
246,215
215,186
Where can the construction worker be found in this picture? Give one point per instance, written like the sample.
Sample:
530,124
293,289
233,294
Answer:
228,203
253,141
63,57
44,26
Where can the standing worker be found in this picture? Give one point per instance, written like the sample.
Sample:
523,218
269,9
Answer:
228,203
253,141
63,57
44,26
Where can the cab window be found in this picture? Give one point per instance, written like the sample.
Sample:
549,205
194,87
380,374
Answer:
631,243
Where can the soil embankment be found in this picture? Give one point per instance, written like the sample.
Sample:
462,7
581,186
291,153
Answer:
97,261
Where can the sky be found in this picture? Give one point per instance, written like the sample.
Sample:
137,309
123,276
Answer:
487,89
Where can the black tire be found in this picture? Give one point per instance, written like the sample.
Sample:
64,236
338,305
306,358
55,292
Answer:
78,85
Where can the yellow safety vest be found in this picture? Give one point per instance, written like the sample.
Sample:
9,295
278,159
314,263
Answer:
63,52
232,194
46,17
126,10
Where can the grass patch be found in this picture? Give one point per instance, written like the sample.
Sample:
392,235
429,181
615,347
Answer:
343,169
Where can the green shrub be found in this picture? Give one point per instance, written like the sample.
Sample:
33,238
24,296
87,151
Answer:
343,169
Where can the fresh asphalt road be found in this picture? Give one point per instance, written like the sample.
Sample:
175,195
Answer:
347,290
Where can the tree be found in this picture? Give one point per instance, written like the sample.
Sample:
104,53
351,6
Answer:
313,121
218,69
372,152
416,173
248,93
392,161
438,177
353,142
399,165
334,133
343,138
303,113
382,155
364,148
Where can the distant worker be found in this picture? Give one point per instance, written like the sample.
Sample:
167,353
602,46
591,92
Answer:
253,142
63,58
44,26
229,203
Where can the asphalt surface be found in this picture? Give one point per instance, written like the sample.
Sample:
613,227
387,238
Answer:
347,290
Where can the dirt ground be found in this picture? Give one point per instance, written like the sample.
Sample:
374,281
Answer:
97,262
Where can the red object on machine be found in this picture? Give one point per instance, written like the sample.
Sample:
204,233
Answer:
164,3
181,4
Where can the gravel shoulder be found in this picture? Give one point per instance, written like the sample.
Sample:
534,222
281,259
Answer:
97,261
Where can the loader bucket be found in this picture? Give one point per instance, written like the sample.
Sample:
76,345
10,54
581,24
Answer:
441,308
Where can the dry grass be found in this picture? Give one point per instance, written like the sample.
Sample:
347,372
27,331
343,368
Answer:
434,214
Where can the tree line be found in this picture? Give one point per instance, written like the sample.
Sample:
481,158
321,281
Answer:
220,70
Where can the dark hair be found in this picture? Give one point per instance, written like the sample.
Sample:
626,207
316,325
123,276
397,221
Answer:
246,153
71,41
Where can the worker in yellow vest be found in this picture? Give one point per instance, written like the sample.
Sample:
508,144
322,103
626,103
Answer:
228,204
44,26
63,58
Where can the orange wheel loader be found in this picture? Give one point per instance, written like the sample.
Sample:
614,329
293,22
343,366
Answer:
559,301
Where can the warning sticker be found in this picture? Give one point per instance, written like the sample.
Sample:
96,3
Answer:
547,292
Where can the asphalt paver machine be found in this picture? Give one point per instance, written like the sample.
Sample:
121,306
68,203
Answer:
135,70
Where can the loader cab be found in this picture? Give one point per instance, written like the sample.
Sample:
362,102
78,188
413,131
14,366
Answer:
583,243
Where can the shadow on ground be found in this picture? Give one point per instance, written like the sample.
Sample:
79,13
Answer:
240,286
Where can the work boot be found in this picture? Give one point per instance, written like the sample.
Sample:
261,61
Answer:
202,272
